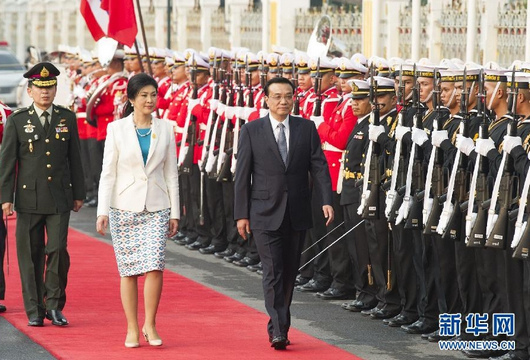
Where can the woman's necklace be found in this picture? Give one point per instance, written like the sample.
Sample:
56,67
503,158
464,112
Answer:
147,133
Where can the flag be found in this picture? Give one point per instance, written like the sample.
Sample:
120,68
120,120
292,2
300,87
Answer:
113,18
122,20
97,19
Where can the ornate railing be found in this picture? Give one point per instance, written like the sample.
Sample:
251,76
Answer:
454,32
193,29
220,36
405,33
511,32
251,29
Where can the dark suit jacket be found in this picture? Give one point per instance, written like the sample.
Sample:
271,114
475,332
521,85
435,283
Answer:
44,170
265,188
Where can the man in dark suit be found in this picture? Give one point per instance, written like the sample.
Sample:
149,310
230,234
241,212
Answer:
276,154
41,166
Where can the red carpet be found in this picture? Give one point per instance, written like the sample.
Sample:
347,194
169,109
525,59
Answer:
195,323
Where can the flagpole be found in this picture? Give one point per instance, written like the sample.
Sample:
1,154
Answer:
149,68
138,54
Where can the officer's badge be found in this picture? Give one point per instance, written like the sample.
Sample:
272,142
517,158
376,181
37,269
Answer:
31,112
359,136
29,128
61,129
56,110
355,87
44,73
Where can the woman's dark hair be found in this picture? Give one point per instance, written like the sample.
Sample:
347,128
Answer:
137,83
277,80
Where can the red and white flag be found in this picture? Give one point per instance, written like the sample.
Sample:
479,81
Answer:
113,18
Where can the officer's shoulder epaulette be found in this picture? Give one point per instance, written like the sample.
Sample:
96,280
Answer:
63,108
21,110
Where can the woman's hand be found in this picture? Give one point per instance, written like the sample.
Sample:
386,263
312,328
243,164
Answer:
102,223
173,227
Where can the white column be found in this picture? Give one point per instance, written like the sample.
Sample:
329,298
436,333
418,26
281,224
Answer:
80,29
65,26
48,30
471,36
392,40
415,30
160,25
435,32
182,6
236,10
266,16
489,31
207,7
21,33
376,28
34,30
8,23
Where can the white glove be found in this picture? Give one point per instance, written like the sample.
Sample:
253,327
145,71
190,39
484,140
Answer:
374,131
464,144
438,137
519,230
213,104
220,109
484,146
248,111
510,142
263,112
210,163
192,103
403,211
364,197
230,111
419,136
317,120
401,131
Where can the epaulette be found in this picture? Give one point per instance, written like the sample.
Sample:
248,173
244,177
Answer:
17,111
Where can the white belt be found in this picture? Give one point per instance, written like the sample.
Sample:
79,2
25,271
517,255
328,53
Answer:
179,129
202,126
328,147
81,115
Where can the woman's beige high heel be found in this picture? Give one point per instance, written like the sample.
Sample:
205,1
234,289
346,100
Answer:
130,344
153,342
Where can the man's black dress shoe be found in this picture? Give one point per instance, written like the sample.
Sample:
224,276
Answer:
37,321
279,342
212,249
384,314
481,354
334,294
301,280
180,235
288,342
255,268
358,306
401,320
369,312
185,241
246,261
234,257
196,245
2,308
259,272
57,317
222,254
419,327
312,286
435,333
511,355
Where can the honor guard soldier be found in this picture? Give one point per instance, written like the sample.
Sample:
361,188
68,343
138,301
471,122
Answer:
132,62
286,64
305,87
350,199
41,166
4,113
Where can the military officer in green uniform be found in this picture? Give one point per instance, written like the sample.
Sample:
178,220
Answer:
41,169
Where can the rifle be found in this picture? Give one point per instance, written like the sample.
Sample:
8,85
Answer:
393,197
521,237
452,223
432,208
263,81
227,139
296,106
414,219
240,107
317,109
476,222
213,154
371,208
186,166
406,204
505,182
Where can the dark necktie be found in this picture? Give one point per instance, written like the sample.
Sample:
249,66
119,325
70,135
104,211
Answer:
282,143
46,121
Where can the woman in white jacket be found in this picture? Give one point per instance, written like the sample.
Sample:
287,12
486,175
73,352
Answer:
138,196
